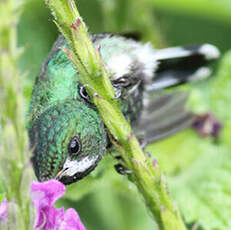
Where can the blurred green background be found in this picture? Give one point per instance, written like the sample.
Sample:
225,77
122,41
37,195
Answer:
198,169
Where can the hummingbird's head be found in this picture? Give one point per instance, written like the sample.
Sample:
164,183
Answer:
68,140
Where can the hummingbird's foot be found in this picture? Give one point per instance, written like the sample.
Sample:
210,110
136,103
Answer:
122,170
120,167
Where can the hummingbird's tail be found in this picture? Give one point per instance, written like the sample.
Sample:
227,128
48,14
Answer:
183,64
164,113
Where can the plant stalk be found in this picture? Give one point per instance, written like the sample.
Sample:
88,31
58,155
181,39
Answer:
92,73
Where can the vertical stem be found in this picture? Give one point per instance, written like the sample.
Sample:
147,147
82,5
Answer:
146,174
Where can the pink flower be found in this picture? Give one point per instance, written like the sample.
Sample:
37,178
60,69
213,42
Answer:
3,210
48,217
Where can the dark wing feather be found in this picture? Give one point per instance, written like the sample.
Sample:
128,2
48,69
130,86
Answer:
163,116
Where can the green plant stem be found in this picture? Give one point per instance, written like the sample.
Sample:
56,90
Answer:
86,58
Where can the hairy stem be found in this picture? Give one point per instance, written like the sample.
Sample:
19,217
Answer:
86,58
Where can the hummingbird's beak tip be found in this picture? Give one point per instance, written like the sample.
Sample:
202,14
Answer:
59,174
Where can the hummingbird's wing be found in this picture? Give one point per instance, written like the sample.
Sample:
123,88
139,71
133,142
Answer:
183,64
163,115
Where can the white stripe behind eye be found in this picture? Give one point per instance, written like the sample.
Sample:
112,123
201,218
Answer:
73,166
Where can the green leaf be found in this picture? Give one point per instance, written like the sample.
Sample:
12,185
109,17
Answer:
203,192
220,90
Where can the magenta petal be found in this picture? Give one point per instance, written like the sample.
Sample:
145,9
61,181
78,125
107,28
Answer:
44,196
3,209
50,191
48,217
71,221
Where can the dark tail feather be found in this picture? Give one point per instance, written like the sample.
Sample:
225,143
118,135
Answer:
183,64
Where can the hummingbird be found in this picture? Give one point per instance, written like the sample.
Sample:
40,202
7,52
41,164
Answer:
67,135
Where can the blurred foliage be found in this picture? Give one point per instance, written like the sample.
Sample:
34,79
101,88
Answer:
14,145
217,10
198,169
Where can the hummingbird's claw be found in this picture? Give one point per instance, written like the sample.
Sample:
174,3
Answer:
122,170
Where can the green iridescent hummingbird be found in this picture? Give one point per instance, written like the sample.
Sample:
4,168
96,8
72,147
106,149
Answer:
67,134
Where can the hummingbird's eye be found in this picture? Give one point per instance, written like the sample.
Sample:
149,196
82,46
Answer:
74,146
83,93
